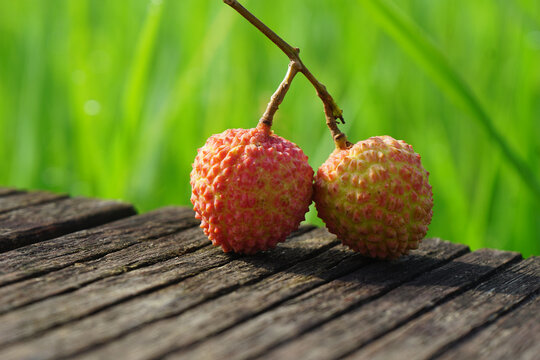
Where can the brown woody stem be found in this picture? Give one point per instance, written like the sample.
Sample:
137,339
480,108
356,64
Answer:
331,110
278,96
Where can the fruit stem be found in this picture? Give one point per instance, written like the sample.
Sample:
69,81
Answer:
331,109
266,120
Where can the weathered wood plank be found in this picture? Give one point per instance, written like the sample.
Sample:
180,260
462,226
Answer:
422,337
257,335
354,329
37,223
7,191
145,252
21,200
259,292
38,317
41,258
514,336
33,319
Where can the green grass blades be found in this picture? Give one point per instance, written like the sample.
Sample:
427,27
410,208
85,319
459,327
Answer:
113,98
411,38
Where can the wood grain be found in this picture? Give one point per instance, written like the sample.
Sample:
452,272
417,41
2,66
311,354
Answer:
296,316
21,200
354,329
144,252
224,311
236,271
35,318
37,223
421,338
40,258
514,336
86,278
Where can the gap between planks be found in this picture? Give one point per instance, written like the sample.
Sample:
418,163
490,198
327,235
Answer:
184,240
233,309
342,335
94,297
519,278
458,317
293,253
88,256
41,258
326,262
258,335
508,337
276,345
502,316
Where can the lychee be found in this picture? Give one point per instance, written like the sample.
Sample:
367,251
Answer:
250,188
375,196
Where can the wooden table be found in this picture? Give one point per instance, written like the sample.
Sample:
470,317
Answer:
87,278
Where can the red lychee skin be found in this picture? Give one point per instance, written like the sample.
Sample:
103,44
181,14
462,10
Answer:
250,189
375,197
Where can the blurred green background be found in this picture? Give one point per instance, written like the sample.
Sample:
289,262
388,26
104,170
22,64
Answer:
112,98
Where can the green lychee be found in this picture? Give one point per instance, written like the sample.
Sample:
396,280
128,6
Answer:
375,197
250,189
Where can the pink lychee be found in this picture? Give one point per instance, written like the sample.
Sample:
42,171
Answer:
375,197
250,189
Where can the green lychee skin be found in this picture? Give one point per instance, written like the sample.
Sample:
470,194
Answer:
250,189
375,197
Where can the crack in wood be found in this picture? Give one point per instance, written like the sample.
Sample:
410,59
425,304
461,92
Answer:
228,277
343,335
82,273
41,258
424,336
83,278
510,336
315,307
492,319
108,292
210,321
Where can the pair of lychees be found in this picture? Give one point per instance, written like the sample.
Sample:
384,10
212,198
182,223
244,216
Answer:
252,188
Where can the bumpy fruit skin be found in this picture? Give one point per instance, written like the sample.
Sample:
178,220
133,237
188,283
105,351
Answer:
250,189
375,197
